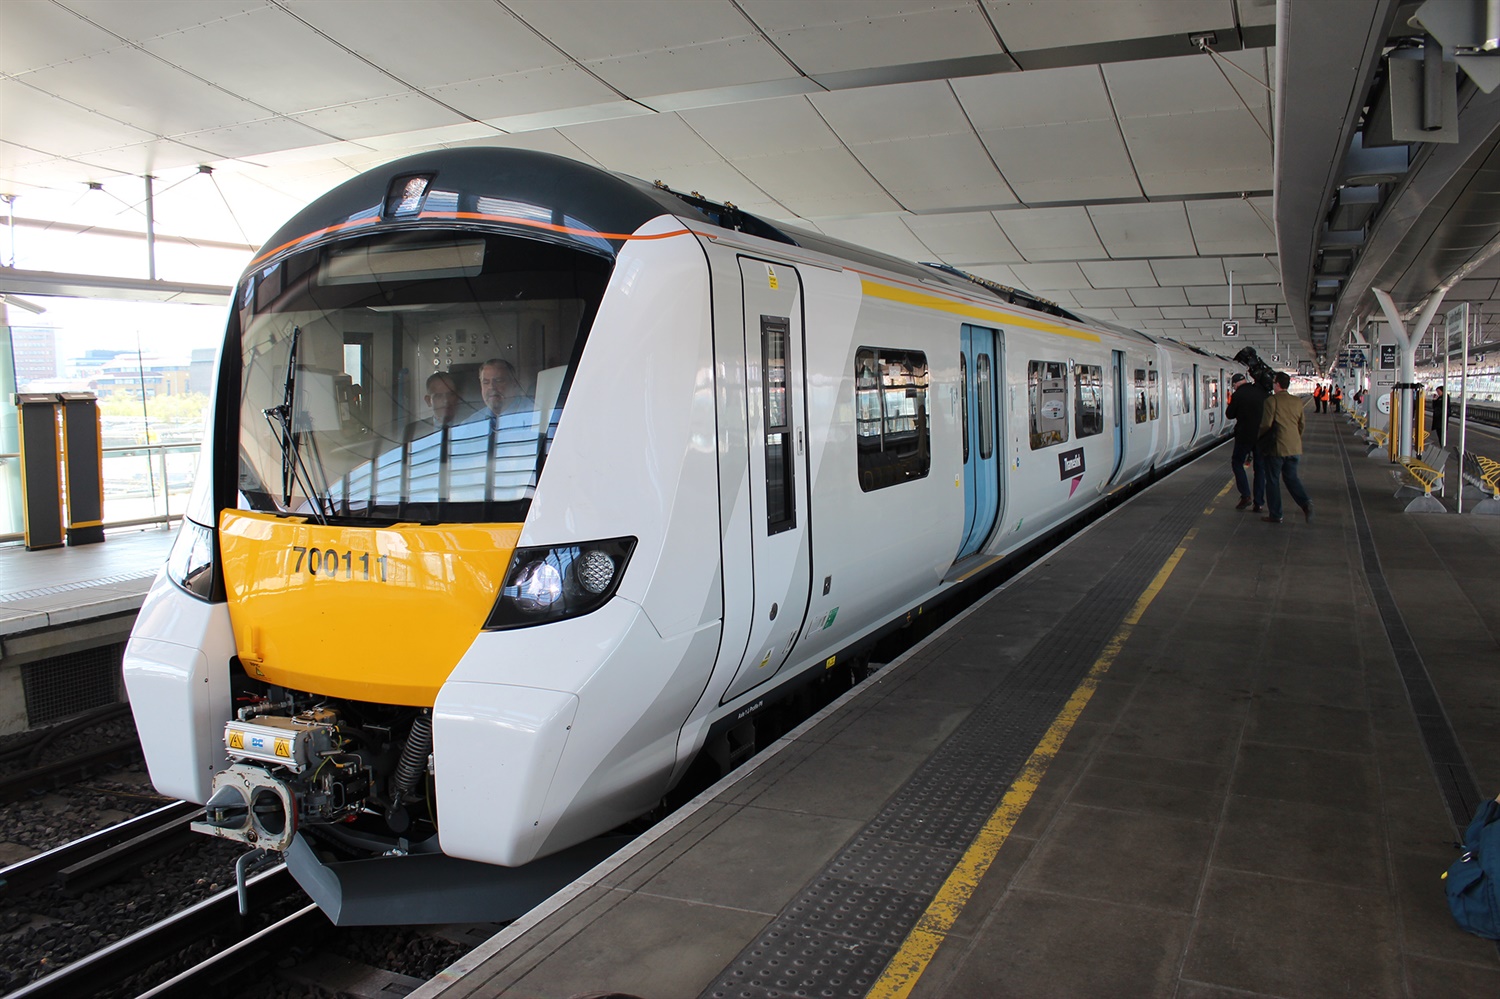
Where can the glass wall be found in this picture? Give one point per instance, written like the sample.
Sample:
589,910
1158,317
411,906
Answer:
151,366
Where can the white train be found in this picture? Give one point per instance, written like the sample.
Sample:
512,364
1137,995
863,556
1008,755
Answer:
427,607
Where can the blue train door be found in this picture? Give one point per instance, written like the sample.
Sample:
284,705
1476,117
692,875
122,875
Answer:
979,368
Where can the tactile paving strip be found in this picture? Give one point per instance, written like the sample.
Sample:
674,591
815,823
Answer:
837,936
45,591
1449,765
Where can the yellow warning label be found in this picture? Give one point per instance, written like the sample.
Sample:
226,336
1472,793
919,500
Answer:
828,663
284,748
236,740
771,276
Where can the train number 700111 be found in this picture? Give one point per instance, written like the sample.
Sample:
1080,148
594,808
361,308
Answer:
330,563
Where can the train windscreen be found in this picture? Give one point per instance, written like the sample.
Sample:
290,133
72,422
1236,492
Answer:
412,377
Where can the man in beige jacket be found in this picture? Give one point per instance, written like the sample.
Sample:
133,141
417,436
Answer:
1281,440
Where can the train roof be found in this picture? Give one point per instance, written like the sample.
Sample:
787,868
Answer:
563,200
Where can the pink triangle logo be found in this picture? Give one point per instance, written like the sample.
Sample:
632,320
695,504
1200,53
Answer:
1074,487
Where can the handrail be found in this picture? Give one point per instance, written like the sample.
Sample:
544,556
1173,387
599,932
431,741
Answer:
147,450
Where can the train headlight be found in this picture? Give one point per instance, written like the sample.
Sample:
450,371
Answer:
561,581
191,562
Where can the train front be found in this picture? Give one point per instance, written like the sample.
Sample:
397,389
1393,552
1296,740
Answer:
393,377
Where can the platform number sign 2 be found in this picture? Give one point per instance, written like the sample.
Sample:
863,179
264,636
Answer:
1231,327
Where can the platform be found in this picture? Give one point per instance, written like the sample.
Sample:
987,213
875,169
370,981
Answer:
58,586
1179,757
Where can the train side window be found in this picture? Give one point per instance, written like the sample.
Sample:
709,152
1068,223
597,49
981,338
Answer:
1047,391
1088,400
781,504
892,435
1140,395
1153,394
984,388
1185,392
1210,392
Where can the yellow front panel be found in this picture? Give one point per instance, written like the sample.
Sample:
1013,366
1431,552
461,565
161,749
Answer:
369,613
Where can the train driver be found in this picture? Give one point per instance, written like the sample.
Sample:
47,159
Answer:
501,389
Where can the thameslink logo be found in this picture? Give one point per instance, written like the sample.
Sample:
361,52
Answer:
1070,463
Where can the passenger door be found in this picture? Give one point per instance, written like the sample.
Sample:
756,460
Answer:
979,363
1122,392
775,392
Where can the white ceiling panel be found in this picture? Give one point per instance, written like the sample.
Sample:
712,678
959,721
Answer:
147,157
408,112
886,233
1136,315
1158,297
444,135
143,20
892,114
1237,226
1118,273
1216,296
646,148
429,43
1082,161
1255,13
232,54
1027,25
1206,153
816,183
38,34
1039,98
1253,270
1042,234
543,141
937,173
917,143
59,126
1148,230
579,114
824,38
1107,298
512,94
1159,323
250,138
786,149
1188,271
1188,312
1264,294
160,99
1046,277
648,47
973,237
763,128
1187,85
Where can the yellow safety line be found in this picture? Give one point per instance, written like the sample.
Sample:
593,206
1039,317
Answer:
921,945
1222,493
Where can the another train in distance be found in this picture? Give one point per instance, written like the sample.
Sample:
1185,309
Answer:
527,484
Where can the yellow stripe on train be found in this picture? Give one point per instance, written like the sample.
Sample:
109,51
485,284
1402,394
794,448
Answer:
369,613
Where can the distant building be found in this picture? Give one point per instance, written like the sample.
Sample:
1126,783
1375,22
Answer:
201,371
128,374
35,349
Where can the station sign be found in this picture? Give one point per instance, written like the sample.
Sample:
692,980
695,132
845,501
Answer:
1231,327
1388,356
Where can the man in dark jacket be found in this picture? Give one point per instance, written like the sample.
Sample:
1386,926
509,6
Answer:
1245,405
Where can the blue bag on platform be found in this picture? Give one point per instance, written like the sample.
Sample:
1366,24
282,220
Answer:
1473,882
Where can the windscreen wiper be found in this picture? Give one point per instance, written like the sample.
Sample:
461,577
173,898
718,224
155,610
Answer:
280,418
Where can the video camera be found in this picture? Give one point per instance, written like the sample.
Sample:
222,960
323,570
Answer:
1260,372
